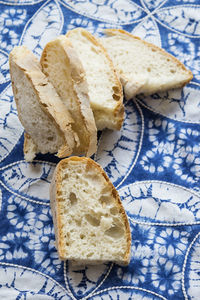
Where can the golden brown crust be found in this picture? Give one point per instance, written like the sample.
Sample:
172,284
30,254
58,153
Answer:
118,95
113,32
57,181
54,187
86,118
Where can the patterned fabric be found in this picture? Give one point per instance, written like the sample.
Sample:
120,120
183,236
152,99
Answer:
153,161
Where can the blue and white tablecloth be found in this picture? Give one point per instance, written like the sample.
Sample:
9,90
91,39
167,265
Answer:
153,161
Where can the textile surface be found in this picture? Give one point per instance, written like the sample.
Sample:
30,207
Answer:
153,162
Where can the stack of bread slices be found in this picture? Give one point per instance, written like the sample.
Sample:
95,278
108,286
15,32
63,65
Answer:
77,87
75,90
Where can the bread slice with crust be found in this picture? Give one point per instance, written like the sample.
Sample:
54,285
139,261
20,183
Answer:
142,66
105,90
64,70
40,110
90,222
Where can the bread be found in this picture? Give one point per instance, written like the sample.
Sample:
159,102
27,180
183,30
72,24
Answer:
143,67
30,148
64,70
105,90
40,110
90,223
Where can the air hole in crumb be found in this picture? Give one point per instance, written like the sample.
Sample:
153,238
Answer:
93,48
172,71
50,138
82,236
93,178
65,177
149,69
45,65
72,198
78,222
42,84
115,89
92,220
153,50
106,190
67,235
61,198
105,200
115,232
45,105
90,254
114,210
116,97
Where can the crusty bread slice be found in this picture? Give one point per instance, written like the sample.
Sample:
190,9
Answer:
90,222
143,67
63,68
40,110
105,90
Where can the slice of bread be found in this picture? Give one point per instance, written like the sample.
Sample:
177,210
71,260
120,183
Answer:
90,222
64,70
105,90
143,67
40,110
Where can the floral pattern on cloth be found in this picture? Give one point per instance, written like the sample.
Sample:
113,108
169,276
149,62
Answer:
153,161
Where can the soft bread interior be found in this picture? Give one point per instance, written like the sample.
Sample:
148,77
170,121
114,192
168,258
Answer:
144,66
92,225
105,91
